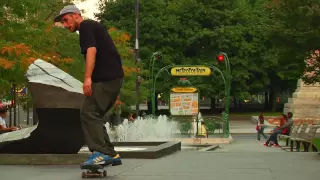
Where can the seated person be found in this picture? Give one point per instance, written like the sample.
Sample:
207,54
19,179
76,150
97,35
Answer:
3,126
283,128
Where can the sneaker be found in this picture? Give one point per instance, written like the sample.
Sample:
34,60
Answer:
275,145
265,144
98,159
93,154
116,160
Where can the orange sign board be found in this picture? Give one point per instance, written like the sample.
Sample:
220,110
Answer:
184,103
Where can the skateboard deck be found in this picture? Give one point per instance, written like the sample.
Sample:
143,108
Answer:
93,171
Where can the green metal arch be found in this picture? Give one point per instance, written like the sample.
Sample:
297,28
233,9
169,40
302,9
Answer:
165,68
226,83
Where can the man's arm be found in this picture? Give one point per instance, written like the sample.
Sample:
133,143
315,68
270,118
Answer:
3,128
89,44
287,124
90,61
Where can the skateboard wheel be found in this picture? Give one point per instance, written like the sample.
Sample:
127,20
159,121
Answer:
104,173
101,174
84,175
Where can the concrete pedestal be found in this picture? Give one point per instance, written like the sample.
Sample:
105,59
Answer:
305,102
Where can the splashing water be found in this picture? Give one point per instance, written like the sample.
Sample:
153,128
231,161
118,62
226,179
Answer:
144,129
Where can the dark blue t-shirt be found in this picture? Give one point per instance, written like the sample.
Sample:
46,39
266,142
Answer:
108,65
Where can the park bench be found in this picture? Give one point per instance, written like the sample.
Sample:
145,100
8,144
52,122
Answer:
293,132
305,139
298,131
301,133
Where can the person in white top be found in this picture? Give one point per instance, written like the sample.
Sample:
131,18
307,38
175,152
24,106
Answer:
3,126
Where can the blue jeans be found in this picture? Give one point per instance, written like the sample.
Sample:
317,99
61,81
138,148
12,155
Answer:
260,132
273,137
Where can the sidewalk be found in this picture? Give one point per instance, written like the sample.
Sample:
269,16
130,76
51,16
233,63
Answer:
244,159
246,127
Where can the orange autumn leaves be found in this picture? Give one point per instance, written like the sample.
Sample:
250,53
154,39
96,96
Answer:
118,103
121,38
4,63
23,55
14,51
17,49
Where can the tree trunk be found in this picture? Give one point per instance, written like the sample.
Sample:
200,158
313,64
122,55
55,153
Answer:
240,103
273,102
14,86
10,116
28,115
235,102
266,100
34,116
213,103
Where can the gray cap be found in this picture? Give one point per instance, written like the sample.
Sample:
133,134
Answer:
65,10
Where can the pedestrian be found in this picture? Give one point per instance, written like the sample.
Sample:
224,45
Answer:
102,82
260,127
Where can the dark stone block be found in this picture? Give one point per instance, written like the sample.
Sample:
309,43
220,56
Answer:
58,132
58,98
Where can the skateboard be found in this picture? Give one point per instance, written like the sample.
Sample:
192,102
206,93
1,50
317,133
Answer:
93,171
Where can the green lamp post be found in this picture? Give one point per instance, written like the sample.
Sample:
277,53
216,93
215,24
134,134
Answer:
155,56
222,57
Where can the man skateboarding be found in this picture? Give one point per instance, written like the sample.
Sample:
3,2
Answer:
102,83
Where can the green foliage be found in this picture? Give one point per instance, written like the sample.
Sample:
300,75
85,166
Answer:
266,40
27,33
186,32
295,25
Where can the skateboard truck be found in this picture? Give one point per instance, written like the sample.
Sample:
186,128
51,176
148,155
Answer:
93,171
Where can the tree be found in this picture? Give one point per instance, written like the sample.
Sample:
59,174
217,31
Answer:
295,25
27,33
274,70
193,32
187,32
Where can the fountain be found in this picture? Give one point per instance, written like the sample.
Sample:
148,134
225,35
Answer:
58,137
144,129
149,129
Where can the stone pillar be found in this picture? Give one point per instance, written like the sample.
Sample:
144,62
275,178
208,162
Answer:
305,102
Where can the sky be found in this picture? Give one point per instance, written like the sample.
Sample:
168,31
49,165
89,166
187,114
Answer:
90,7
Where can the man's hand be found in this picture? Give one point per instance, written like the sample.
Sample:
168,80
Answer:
87,91
13,128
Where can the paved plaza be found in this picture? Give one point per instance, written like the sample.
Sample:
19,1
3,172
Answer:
244,159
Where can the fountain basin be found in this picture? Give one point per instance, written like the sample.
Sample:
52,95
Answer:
143,150
132,150
200,147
